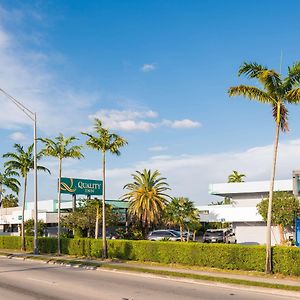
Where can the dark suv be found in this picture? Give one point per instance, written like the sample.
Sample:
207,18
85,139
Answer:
219,236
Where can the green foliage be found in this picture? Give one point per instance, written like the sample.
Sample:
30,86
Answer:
180,212
29,227
147,196
83,219
285,208
10,201
286,260
235,176
104,140
7,179
61,148
22,160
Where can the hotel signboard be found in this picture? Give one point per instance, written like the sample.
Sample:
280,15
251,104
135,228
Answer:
77,186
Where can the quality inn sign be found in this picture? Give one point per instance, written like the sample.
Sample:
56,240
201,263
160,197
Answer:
77,186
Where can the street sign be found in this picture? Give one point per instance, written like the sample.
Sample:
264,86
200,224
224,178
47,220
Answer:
297,232
77,186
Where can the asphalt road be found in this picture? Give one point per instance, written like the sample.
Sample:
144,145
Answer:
26,280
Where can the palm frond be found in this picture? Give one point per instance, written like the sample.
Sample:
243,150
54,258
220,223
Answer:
250,92
283,122
293,96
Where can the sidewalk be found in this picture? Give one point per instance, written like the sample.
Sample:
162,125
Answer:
136,266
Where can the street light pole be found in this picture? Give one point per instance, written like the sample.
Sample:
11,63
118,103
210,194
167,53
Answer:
31,115
35,240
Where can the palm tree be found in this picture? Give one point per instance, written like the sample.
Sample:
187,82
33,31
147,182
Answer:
147,197
277,92
104,141
22,162
10,182
180,211
235,176
61,148
10,201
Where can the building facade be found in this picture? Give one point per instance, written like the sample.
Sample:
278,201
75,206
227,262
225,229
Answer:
242,213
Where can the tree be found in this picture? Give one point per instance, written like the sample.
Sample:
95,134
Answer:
179,212
7,179
60,147
235,176
276,92
147,197
22,162
285,209
104,141
83,219
194,225
10,201
29,227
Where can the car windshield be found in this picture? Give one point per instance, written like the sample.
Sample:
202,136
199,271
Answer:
177,233
214,233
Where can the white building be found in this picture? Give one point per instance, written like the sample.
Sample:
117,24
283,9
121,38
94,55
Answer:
11,218
247,223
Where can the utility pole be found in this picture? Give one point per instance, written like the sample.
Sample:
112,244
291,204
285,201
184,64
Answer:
32,116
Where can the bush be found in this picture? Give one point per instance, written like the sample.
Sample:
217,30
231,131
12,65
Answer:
286,260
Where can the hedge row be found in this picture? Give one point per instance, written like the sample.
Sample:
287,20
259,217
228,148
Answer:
286,260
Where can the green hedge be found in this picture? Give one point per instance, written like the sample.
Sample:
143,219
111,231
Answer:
286,260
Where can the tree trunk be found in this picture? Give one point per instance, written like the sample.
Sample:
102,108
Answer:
188,236
59,204
269,217
23,247
180,227
281,234
97,221
104,243
1,191
194,235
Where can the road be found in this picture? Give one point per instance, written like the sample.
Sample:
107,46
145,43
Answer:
27,280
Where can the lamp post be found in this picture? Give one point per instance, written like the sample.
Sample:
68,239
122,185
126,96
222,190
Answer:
31,115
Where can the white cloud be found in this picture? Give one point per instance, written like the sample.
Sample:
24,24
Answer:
18,136
129,120
158,148
126,120
190,175
182,124
27,76
148,67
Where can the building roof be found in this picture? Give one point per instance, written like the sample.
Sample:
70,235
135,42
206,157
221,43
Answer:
228,189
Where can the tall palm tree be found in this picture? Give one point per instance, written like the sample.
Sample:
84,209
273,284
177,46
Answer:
104,141
22,162
180,211
60,147
147,197
235,176
277,92
7,179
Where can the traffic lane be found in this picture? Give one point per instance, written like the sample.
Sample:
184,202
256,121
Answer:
45,281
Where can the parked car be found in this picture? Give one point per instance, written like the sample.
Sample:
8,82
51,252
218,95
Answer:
219,236
184,234
158,235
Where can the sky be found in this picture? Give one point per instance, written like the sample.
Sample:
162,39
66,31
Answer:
156,73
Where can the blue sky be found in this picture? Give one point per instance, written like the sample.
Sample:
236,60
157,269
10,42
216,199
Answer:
156,72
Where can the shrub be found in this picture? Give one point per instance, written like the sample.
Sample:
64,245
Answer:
286,260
